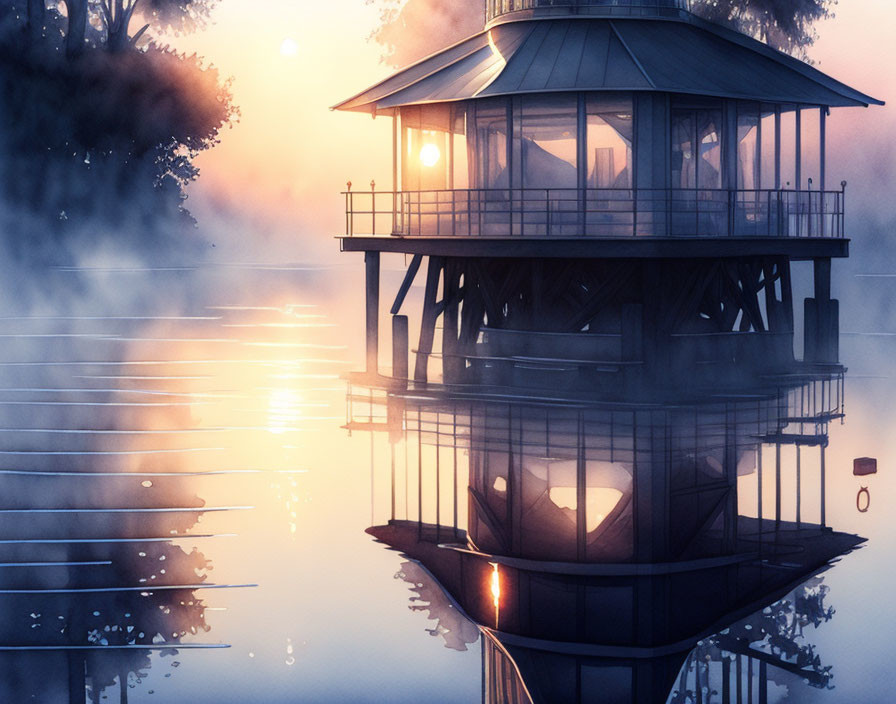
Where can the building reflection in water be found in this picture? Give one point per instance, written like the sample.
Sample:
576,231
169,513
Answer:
628,558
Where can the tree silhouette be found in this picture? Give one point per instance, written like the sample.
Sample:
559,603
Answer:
164,15
778,630
94,131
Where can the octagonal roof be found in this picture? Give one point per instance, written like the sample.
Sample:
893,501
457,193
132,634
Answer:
676,55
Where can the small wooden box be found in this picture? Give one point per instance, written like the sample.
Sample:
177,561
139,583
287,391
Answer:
863,466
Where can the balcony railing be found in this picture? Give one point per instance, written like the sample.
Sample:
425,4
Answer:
613,8
610,213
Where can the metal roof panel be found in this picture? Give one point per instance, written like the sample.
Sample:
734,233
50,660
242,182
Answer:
593,66
594,54
539,73
566,69
519,63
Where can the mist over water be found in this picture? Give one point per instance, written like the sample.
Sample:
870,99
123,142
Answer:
205,381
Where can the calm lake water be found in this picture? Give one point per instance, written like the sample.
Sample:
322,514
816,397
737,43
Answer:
175,473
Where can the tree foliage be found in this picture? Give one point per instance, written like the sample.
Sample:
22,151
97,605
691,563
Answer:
786,25
411,29
95,134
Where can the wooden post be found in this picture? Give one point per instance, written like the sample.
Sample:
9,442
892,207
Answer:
777,486
726,680
581,488
739,677
77,676
822,279
372,263
730,530
799,489
824,522
451,360
759,491
763,682
822,325
400,368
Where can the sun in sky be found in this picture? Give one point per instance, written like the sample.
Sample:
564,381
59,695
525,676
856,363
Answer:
289,47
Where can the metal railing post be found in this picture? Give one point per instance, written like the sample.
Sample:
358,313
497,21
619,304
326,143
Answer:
780,228
732,204
373,207
548,212
348,213
842,224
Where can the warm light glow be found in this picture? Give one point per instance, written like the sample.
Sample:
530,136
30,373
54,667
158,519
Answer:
599,502
496,591
496,584
430,155
289,47
284,412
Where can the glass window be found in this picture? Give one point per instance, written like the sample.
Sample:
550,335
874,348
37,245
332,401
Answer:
709,167
489,145
549,141
684,164
609,142
788,148
811,148
748,147
768,158
425,161
461,177
697,145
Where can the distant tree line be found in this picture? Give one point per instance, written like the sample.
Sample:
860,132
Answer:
99,123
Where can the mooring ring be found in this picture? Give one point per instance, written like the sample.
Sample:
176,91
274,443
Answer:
863,491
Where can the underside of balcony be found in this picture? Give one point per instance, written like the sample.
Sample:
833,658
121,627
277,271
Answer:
795,249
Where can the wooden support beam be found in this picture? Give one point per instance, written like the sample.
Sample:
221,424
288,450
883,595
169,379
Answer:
428,322
674,306
688,302
473,312
600,298
749,278
407,283
487,293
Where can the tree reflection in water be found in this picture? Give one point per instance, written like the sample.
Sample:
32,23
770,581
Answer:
777,635
95,579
